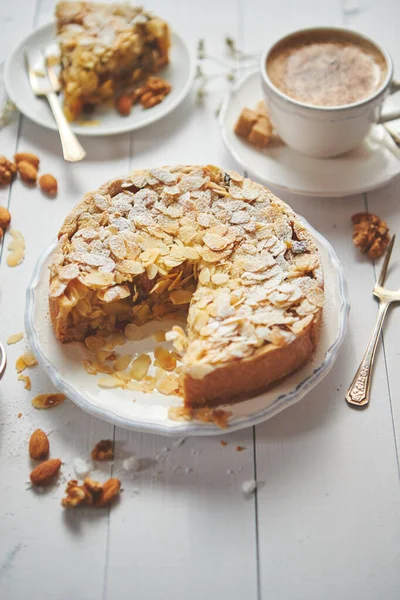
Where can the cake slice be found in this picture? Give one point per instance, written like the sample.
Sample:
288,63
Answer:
106,49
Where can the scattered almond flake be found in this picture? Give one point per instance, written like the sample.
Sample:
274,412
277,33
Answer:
82,468
167,385
43,401
140,366
29,359
68,272
98,279
118,292
180,296
26,360
164,358
223,443
249,487
240,448
122,362
135,386
103,355
26,380
149,383
94,343
220,278
20,364
133,333
16,248
15,338
236,177
159,335
151,271
110,383
163,175
114,340
216,242
123,376
131,464
100,368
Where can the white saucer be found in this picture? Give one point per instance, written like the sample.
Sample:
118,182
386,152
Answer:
374,163
180,74
149,412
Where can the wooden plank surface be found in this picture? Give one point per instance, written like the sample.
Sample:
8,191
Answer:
325,522
328,512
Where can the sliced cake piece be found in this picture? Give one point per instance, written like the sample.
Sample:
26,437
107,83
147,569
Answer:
105,49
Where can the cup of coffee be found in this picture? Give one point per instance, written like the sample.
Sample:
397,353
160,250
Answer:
324,87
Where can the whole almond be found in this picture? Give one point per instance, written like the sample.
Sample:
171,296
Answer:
27,157
39,445
124,105
44,473
27,172
110,491
5,217
48,184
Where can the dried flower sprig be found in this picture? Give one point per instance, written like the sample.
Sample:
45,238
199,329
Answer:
231,67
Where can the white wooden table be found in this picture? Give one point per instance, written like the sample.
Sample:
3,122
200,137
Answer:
325,522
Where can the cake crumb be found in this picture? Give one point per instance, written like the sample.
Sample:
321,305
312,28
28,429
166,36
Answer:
131,464
15,338
223,443
249,487
19,415
81,467
240,448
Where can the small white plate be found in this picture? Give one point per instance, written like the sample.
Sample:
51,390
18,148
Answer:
180,74
374,163
149,412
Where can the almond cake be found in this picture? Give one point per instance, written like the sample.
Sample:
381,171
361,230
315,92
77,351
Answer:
105,49
207,243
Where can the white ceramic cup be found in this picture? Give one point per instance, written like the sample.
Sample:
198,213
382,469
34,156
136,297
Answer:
326,131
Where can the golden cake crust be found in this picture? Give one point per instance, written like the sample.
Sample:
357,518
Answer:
244,378
142,246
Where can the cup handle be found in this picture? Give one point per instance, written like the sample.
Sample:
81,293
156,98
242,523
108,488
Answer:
394,114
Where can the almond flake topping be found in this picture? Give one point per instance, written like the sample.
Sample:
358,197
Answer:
196,240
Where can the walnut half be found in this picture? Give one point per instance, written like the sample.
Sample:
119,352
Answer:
371,234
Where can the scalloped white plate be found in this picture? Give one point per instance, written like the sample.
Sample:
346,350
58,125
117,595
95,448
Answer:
374,163
180,74
149,412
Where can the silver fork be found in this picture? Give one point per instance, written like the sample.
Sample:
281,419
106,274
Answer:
72,149
359,390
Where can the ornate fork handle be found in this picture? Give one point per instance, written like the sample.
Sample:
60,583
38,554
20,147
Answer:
72,149
3,360
359,389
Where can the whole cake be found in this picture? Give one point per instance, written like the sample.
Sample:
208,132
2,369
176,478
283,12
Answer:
205,242
105,49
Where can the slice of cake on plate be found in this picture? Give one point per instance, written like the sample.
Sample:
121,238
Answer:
105,49
221,249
